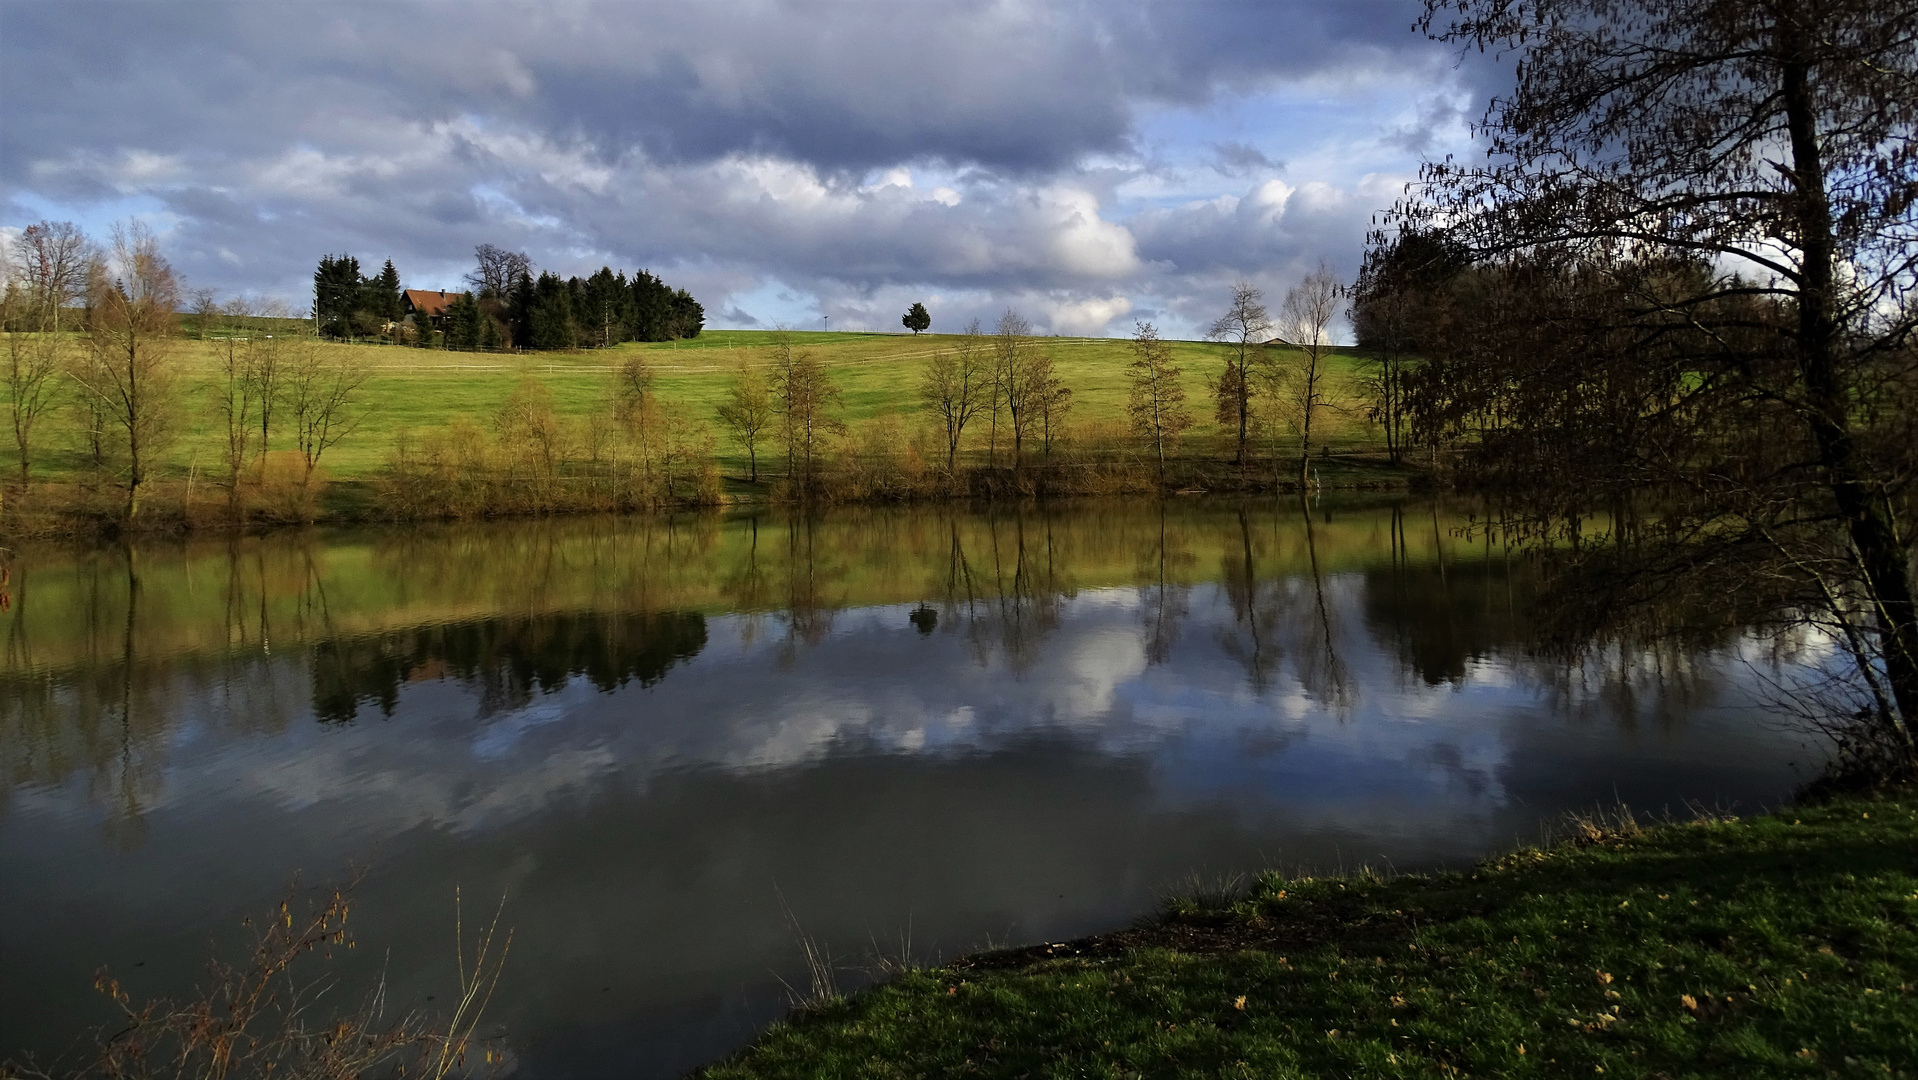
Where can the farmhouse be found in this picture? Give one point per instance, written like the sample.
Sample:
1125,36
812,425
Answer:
428,304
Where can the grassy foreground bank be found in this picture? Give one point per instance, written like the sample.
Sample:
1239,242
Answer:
1783,945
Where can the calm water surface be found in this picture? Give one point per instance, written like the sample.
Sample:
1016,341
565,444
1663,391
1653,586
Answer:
666,742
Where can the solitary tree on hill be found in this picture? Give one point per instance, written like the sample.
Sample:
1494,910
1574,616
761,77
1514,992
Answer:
916,318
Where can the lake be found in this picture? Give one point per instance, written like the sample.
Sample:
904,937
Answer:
675,745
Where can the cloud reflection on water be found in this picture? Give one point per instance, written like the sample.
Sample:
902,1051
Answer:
641,729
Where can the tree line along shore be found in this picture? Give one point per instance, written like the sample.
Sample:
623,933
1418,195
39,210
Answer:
129,412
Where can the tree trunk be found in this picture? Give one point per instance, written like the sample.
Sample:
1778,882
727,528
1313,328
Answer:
1305,444
1245,411
1158,434
1873,534
1243,391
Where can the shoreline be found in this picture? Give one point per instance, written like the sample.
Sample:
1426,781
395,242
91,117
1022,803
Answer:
71,510
1781,944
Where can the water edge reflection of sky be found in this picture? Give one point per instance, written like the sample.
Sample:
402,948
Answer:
666,743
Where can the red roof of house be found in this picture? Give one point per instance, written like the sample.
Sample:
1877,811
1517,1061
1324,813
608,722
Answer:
429,302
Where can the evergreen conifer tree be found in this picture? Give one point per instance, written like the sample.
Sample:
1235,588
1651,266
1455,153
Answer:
464,321
688,317
604,311
550,315
917,318
519,312
387,293
336,294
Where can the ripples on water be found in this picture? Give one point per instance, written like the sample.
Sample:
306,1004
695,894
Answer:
978,727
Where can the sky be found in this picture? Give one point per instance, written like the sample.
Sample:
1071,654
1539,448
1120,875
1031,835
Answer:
1088,164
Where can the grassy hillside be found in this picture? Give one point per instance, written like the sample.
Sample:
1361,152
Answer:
1780,946
878,374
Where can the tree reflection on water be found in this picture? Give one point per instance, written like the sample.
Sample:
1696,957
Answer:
107,650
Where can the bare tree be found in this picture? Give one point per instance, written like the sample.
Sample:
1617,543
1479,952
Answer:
32,361
1006,339
686,447
806,399
206,311
237,399
51,263
1034,398
323,394
747,412
497,270
266,365
1012,374
95,421
636,409
1157,401
1051,398
784,358
128,373
1311,309
530,430
1245,327
956,385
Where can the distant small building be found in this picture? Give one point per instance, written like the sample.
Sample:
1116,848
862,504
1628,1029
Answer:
429,305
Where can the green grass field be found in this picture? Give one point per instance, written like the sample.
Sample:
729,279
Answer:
878,374
1779,946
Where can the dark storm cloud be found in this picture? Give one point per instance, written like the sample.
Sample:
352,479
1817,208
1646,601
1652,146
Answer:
735,139
838,85
1436,114
1234,158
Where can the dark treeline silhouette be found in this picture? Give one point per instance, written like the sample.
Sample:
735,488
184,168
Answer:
508,307
347,305
509,659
